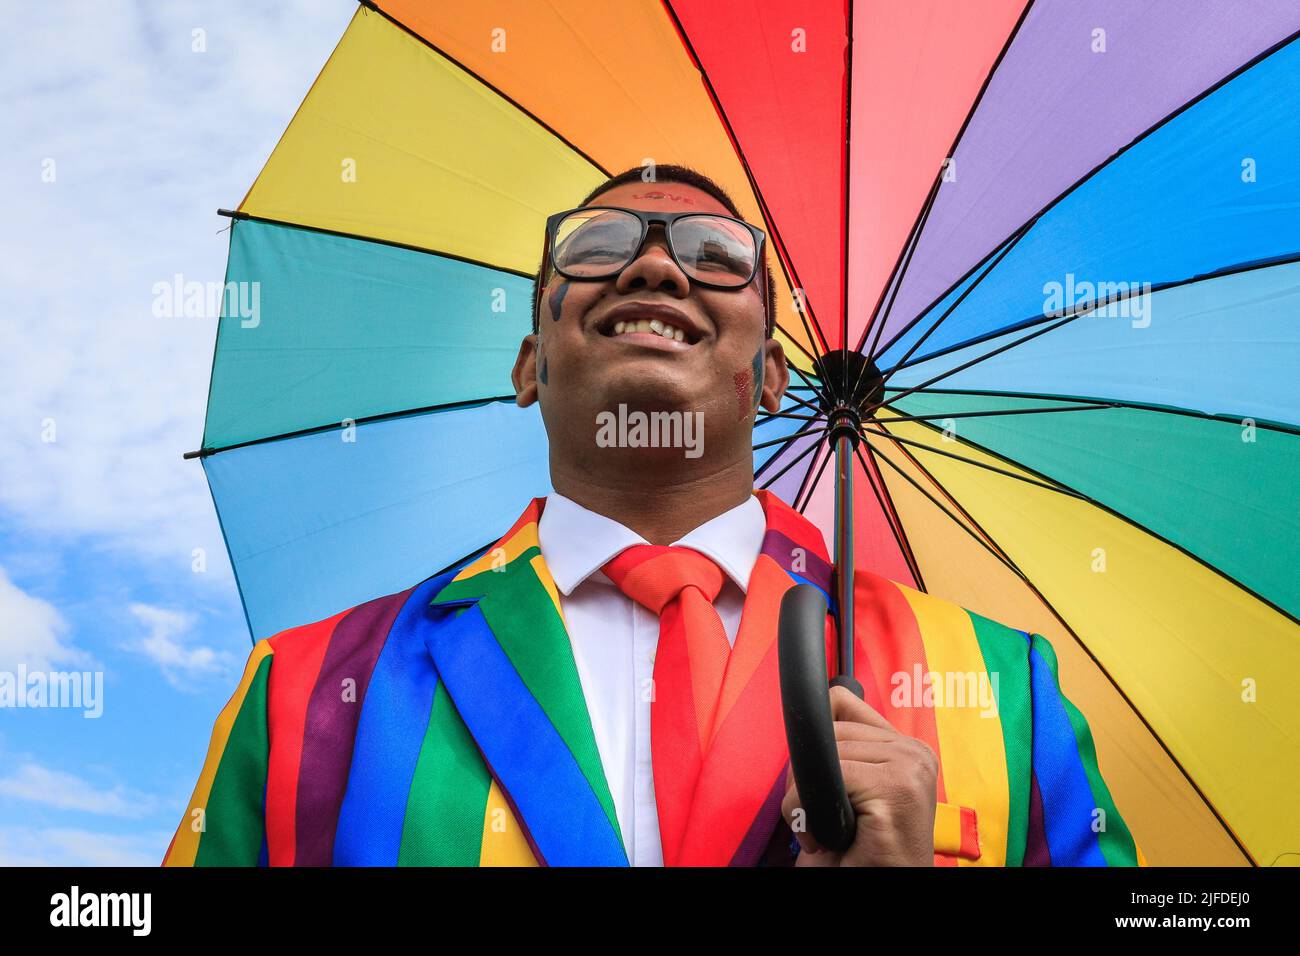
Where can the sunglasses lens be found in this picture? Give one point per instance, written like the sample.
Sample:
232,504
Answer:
596,242
715,250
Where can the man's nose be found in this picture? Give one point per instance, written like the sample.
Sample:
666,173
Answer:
654,268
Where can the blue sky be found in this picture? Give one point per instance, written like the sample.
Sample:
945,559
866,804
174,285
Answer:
125,126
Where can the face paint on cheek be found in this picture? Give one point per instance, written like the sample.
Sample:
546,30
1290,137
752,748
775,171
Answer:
556,300
542,375
741,382
758,375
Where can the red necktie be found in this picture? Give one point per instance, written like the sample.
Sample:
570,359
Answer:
679,585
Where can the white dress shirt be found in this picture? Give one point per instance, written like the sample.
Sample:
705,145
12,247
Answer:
614,640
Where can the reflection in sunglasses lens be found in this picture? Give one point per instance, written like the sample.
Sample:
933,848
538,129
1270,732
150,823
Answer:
601,242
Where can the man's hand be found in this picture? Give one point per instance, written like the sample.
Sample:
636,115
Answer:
890,779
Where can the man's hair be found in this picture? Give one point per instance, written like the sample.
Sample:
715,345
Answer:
686,176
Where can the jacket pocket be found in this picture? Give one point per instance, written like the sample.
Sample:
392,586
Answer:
956,831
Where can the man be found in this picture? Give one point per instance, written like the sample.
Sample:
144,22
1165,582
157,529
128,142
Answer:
600,687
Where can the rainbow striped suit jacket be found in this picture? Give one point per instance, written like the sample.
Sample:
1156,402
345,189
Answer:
446,725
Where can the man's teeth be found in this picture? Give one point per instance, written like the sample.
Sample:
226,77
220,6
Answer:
651,325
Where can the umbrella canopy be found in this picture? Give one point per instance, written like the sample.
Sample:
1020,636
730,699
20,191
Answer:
1064,238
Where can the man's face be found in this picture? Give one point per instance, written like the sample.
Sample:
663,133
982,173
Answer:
580,364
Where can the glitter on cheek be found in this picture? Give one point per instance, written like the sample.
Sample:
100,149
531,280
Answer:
742,381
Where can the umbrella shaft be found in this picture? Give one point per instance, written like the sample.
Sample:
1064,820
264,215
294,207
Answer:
844,552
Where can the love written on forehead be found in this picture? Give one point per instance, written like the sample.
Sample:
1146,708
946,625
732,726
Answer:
662,195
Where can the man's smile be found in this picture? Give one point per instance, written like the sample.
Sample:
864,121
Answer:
650,325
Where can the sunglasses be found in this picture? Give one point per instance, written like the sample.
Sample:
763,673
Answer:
599,242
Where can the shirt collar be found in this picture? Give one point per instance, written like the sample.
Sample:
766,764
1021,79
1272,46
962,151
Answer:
576,541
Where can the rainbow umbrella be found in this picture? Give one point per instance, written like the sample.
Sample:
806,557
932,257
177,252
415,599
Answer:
1041,269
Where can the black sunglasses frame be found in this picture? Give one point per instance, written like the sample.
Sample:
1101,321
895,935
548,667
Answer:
647,219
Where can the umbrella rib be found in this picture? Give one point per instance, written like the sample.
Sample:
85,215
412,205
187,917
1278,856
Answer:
895,525
798,345
938,504
783,257
807,387
1001,411
806,486
768,416
801,402
957,302
371,5
918,226
1029,223
239,216
890,290
1067,490
790,464
1091,656
886,502
1104,403
969,364
786,438
212,376
791,437
316,429
890,517
225,541
1038,319
845,184
1060,489
800,372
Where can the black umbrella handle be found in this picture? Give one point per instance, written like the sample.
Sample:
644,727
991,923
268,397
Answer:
809,729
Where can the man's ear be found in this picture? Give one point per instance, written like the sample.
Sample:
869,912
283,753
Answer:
776,376
524,374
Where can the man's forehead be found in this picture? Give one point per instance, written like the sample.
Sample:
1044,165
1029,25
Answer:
663,196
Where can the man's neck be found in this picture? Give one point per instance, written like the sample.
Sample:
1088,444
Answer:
661,511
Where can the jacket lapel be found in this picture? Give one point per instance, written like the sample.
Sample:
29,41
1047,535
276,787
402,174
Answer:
502,650
504,656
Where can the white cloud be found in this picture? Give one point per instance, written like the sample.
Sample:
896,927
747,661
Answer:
65,846
147,138
167,644
57,790
32,632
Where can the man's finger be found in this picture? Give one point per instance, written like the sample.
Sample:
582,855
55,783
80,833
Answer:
853,730
846,706
866,751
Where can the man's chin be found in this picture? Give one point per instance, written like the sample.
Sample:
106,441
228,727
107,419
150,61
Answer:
649,397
